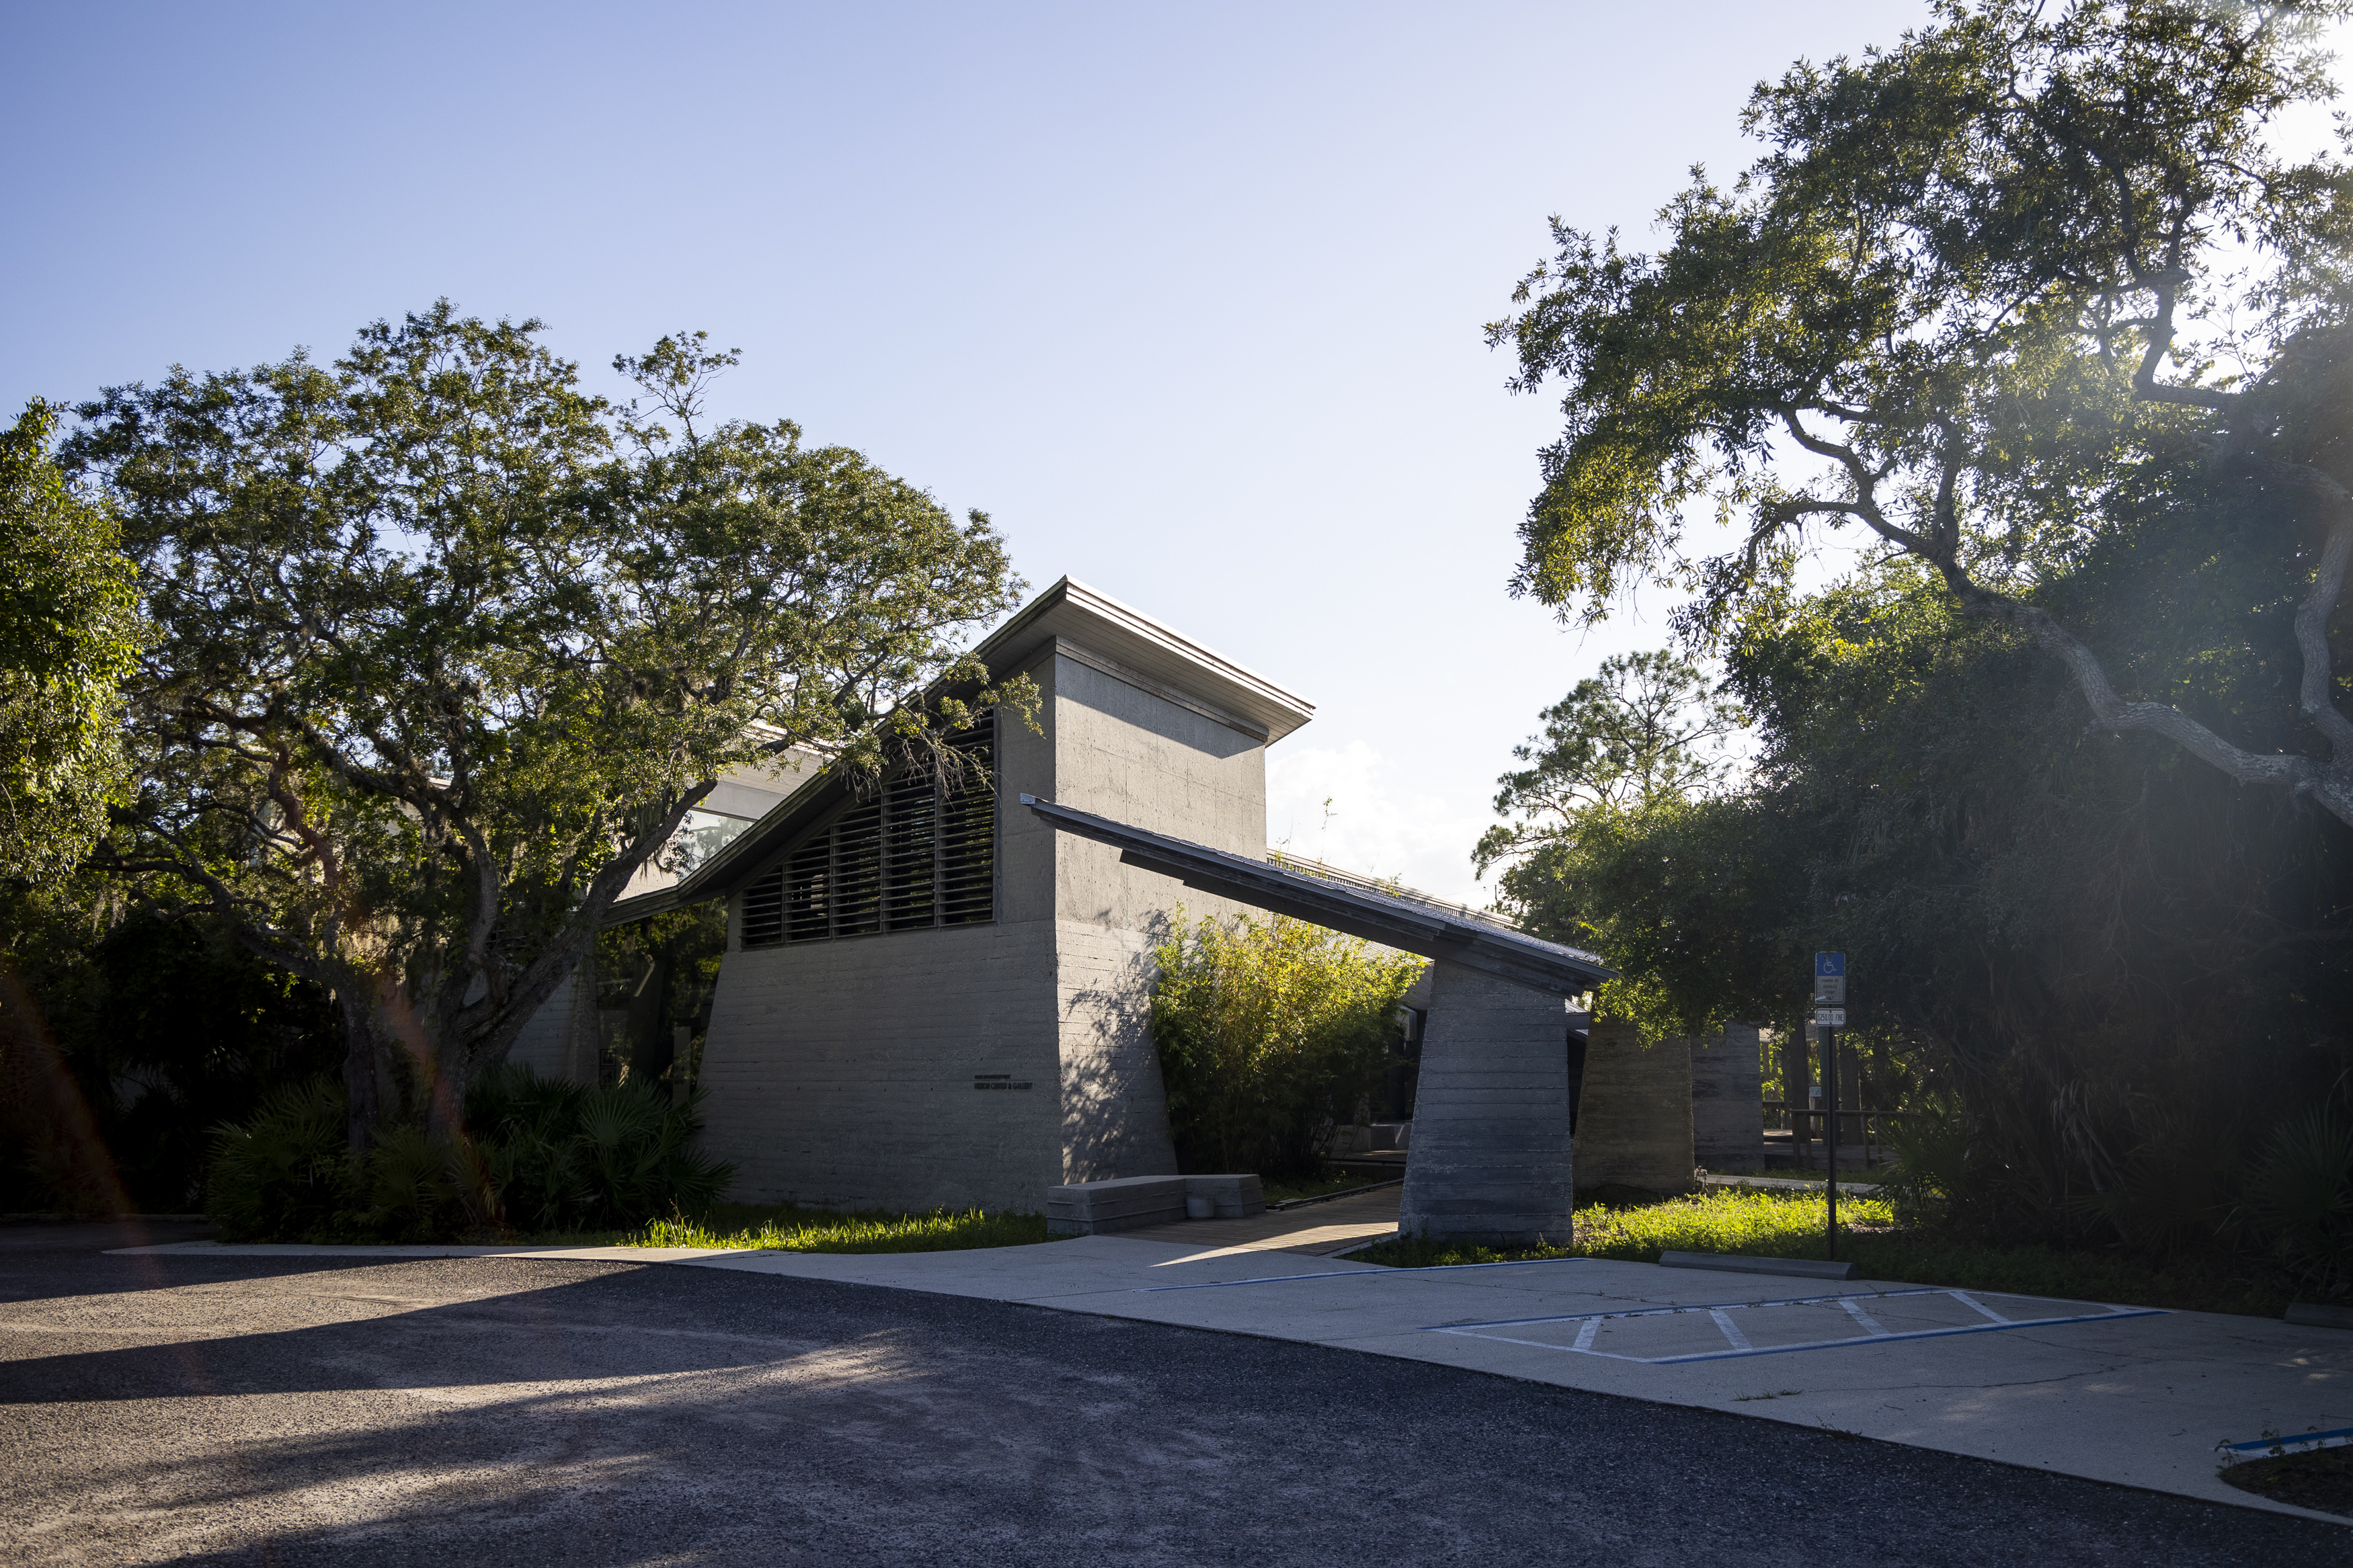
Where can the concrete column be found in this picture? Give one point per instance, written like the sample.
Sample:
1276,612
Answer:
1634,1116
1489,1161
1727,1101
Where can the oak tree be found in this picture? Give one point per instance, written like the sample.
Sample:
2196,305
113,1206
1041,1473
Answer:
448,648
1990,296
69,633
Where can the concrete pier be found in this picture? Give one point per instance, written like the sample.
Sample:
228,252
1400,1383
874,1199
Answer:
1491,1149
1634,1117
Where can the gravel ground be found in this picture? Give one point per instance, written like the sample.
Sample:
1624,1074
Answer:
511,1411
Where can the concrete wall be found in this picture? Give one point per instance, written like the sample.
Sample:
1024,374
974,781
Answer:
1114,1106
1727,1101
1489,1160
1633,1113
842,1074
1133,755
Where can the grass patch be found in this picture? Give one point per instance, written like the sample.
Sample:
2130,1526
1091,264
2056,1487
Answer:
1636,1229
2322,1478
786,1228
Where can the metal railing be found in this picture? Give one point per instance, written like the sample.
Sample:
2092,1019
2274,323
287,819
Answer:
1805,1128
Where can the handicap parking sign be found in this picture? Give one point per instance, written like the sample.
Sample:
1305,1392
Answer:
1829,963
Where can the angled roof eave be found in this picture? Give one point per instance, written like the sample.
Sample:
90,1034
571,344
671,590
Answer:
1074,612
1390,919
734,860
1069,610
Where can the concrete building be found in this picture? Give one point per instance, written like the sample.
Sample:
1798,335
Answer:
1490,1158
931,999
935,986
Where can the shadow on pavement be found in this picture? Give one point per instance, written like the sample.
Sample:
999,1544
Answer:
508,1410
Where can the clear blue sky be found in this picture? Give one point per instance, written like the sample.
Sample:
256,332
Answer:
1187,296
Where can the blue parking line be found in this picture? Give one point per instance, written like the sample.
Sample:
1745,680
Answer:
2289,1444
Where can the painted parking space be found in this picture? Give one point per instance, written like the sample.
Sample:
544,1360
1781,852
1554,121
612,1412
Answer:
1725,1331
2132,1395
2128,1395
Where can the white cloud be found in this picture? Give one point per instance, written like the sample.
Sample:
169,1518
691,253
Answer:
1348,806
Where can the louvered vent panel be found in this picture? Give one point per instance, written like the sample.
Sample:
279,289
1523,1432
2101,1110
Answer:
968,836
910,851
808,908
858,870
923,853
763,911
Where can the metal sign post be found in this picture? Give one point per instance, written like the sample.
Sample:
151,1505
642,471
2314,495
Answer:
1829,1012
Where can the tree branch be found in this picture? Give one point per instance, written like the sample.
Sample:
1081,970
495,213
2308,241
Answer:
2315,693
2111,711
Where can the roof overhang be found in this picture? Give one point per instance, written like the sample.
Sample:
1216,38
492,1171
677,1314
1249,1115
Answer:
1391,919
1133,645
1069,617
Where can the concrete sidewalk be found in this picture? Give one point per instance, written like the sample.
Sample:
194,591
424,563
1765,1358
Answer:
1318,1230
2128,1395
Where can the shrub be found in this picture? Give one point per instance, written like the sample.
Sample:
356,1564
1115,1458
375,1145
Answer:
543,1155
2301,1194
422,1188
1269,1032
566,1157
283,1175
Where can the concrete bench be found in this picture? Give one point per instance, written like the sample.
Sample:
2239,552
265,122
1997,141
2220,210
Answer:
1130,1203
1236,1197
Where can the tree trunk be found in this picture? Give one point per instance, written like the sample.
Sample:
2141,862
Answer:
651,1049
450,1075
584,1044
361,1047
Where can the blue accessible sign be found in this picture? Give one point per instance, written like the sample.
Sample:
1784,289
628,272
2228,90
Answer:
1829,963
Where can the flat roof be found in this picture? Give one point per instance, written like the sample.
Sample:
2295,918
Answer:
1391,918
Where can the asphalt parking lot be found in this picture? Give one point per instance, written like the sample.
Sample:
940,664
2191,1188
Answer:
513,1410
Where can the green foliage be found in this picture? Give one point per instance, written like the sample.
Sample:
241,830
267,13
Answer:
564,1156
2112,973
1622,809
1942,309
147,1032
791,1230
417,1188
1762,1224
540,1156
1686,898
1933,1149
1269,1032
282,1175
446,647
1774,1225
69,634
2302,1197
1650,729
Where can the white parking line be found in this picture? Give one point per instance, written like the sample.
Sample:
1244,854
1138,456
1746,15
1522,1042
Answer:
1589,1325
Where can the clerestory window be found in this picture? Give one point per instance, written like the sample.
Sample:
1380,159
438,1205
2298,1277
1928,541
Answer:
922,852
